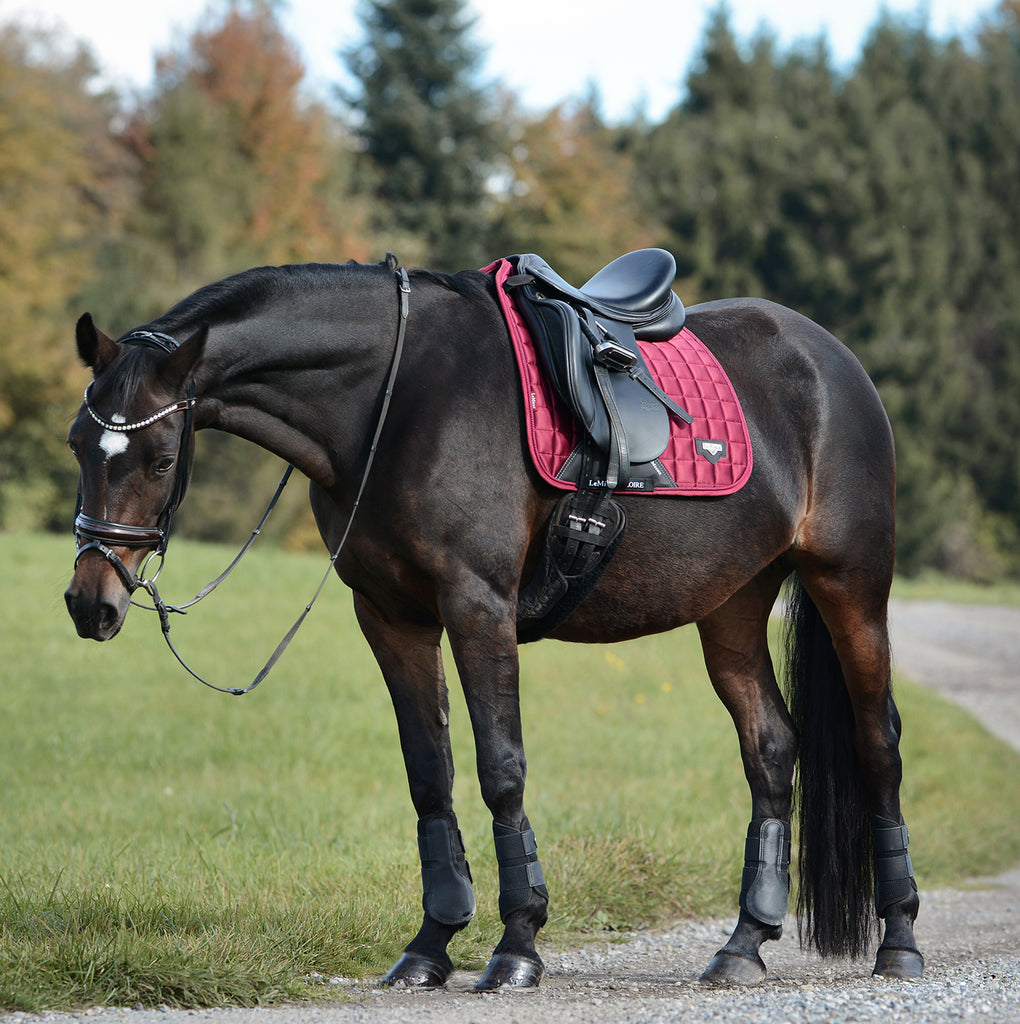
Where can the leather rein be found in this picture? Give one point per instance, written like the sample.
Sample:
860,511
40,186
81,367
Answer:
99,534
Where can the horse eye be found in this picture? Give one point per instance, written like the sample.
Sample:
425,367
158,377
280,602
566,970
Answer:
164,465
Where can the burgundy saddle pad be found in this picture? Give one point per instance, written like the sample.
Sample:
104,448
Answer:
711,456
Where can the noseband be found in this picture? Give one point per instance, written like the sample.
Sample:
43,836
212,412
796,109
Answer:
94,534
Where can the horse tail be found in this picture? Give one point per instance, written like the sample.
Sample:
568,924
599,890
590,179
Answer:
834,901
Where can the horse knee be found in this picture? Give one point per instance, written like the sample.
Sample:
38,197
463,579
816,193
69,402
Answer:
502,787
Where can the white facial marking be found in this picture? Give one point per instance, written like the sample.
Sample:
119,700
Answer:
112,442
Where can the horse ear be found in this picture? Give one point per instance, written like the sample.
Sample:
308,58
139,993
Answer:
95,348
181,363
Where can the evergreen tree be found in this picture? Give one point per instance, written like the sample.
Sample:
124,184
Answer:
427,126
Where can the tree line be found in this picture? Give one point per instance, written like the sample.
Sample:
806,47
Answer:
882,200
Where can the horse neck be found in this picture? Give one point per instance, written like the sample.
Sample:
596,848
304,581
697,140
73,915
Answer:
303,383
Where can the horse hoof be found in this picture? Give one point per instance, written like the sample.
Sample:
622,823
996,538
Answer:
413,970
512,971
730,969
902,964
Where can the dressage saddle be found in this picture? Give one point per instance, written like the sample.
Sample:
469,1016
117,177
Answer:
586,339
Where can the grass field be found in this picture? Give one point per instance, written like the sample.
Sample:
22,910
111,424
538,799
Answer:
161,843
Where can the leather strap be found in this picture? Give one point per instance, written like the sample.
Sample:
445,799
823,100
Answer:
164,610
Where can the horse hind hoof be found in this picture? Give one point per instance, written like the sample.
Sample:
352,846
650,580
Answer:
413,970
510,971
731,969
900,964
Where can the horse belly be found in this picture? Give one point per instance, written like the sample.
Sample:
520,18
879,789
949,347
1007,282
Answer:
679,561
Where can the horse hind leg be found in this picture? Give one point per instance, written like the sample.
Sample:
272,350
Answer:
849,615
735,645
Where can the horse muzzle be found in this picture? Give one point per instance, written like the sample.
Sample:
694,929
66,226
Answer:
97,600
100,592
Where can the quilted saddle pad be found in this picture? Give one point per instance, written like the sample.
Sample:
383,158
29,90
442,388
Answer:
711,456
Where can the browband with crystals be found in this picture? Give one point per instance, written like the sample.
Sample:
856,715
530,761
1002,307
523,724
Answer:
126,428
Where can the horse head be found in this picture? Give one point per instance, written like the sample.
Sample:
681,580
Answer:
133,439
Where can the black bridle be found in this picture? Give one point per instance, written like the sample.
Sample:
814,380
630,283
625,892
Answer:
99,533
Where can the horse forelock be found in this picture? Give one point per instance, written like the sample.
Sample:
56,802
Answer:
122,380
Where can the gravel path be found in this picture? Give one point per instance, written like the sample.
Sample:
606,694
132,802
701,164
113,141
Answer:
971,939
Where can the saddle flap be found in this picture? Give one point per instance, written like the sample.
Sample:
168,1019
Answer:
566,355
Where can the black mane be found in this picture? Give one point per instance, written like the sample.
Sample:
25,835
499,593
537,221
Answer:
243,294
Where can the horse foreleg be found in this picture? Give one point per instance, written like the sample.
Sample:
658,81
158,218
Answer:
737,657
412,666
484,643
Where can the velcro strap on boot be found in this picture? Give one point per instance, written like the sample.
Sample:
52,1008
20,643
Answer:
765,884
519,868
447,893
894,873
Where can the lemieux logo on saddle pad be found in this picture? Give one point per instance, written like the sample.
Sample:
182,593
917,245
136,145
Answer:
711,456
712,450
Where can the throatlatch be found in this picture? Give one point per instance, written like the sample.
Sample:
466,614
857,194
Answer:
448,895
894,873
765,885
519,868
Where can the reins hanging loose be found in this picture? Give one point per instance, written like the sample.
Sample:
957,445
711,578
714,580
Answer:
164,610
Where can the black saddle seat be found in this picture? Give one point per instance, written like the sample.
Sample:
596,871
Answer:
636,289
639,281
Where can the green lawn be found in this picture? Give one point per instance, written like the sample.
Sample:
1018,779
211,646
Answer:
162,843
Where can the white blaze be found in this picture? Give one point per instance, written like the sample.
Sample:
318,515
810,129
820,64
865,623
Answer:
113,442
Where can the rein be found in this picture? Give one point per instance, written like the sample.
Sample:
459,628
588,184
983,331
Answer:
97,531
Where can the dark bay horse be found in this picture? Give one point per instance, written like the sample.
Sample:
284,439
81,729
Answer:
450,525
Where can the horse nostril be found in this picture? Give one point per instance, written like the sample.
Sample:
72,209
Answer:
109,619
99,621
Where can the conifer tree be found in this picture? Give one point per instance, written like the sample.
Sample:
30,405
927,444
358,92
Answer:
427,125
